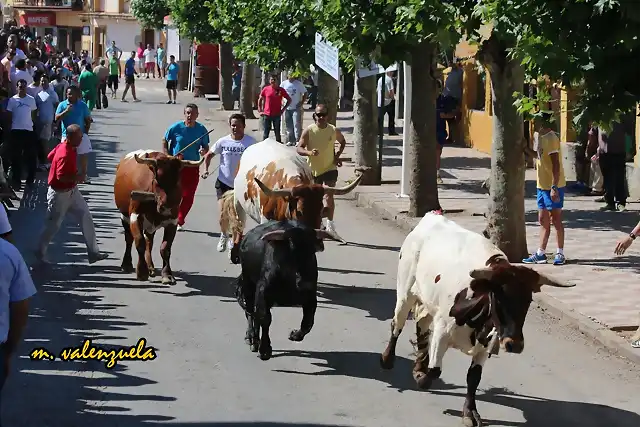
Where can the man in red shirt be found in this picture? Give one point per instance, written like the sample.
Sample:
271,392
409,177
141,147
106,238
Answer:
63,196
270,107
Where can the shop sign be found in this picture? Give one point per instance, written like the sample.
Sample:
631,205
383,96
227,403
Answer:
38,19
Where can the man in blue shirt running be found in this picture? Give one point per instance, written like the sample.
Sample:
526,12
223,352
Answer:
129,77
74,111
178,137
172,78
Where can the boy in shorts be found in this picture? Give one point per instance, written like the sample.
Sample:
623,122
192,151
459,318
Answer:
172,78
551,186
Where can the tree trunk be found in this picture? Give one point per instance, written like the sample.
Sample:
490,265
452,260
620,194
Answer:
246,90
328,94
423,189
226,79
505,220
365,128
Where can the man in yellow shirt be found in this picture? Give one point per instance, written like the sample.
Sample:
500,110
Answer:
551,186
317,143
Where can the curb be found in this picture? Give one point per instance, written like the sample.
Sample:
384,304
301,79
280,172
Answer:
598,333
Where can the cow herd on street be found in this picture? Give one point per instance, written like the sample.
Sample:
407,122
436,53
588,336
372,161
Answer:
475,301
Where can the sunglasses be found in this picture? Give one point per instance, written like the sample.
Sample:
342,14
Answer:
321,114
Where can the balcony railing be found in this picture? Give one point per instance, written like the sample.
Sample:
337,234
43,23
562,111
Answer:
49,4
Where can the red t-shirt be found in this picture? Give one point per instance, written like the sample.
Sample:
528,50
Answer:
63,160
273,100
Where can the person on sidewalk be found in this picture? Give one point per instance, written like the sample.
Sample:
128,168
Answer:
551,186
102,73
621,248
611,155
74,111
46,101
173,69
150,58
129,78
317,143
22,140
16,290
237,82
179,136
389,108
294,112
88,83
442,114
452,94
161,61
271,109
115,72
63,196
230,149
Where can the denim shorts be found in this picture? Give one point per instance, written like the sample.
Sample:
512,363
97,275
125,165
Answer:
545,202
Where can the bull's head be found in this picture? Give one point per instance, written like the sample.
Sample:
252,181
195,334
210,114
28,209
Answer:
166,189
305,200
502,294
301,242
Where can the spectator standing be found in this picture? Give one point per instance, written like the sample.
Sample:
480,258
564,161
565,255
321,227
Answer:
12,43
611,155
441,128
113,51
88,82
20,73
7,69
551,186
161,60
17,288
140,56
387,106
73,111
178,137
230,149
173,70
63,196
453,95
129,78
34,88
237,81
102,74
150,60
270,107
115,72
46,100
60,84
22,141
294,112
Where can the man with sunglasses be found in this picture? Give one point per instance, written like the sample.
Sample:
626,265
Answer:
317,143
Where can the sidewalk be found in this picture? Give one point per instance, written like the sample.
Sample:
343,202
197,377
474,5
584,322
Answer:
607,286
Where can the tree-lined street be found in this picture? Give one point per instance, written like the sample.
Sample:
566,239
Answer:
205,375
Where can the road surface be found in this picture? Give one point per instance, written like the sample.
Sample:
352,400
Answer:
205,375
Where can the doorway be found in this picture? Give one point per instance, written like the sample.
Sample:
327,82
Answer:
149,37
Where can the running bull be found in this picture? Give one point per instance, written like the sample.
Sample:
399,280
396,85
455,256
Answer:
279,266
471,302
273,182
147,193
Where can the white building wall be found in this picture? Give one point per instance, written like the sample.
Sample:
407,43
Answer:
126,35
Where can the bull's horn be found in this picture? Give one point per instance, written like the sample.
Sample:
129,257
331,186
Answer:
324,234
344,190
192,163
274,235
144,160
283,192
545,280
481,273
142,196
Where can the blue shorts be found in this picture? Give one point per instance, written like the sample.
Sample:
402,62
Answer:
545,202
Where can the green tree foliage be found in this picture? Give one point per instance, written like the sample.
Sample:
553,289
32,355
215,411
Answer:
191,17
150,13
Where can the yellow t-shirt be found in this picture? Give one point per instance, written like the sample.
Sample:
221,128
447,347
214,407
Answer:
547,145
322,140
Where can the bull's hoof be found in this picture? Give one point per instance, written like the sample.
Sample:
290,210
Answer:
127,268
387,361
471,418
152,272
265,354
434,373
423,382
142,275
296,335
168,280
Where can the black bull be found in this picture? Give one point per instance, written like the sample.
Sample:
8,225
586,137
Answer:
279,266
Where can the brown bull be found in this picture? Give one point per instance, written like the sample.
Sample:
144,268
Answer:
147,192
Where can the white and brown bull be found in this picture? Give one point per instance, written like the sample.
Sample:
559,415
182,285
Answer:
147,192
273,182
464,294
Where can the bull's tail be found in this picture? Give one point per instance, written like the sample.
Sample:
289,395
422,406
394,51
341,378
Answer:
232,221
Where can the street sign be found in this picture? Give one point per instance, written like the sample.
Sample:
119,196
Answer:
374,69
327,57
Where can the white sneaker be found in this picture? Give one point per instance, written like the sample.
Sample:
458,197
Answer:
180,227
229,246
331,228
222,243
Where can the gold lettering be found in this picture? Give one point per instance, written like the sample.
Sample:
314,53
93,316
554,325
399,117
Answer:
85,348
90,351
41,353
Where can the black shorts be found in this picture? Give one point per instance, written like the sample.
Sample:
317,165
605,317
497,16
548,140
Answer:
221,188
112,82
172,84
130,80
330,178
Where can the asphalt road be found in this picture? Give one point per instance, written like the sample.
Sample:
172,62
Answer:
205,375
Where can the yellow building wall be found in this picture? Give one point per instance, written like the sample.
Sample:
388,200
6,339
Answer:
70,19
